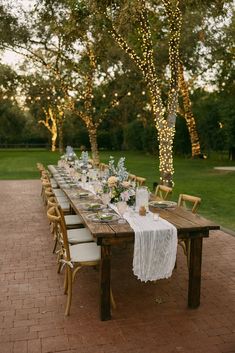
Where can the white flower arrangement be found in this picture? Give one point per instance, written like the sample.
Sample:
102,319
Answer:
69,155
117,185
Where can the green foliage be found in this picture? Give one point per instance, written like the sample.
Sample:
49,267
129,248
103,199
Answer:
141,136
216,120
12,123
182,145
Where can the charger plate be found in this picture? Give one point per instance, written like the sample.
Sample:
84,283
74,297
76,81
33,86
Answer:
103,217
163,204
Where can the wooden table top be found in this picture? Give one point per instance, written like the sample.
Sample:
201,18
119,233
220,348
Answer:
185,221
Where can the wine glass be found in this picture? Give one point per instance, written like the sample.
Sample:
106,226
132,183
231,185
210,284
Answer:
83,179
105,197
97,187
121,206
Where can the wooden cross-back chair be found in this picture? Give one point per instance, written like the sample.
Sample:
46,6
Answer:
163,192
61,199
140,181
71,220
40,168
192,204
189,202
73,257
75,230
103,166
132,178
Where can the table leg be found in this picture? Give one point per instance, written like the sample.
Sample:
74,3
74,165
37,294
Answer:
105,270
194,287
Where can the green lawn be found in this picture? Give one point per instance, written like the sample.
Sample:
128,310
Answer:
196,177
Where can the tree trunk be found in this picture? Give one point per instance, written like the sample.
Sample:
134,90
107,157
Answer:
188,114
166,134
53,141
60,134
166,168
94,146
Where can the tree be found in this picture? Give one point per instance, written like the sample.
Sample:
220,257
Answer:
11,117
143,56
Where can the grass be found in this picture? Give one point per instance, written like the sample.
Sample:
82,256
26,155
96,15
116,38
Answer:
196,177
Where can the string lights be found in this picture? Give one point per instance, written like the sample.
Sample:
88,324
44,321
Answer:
164,117
188,114
51,124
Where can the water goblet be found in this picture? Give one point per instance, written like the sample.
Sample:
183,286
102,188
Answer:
97,187
105,197
121,206
83,179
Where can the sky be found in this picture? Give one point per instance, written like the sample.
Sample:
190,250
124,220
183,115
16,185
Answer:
9,57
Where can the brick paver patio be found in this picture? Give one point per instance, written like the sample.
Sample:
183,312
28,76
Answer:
150,318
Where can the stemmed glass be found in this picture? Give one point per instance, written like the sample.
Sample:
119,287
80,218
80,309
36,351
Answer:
121,206
83,179
105,197
97,187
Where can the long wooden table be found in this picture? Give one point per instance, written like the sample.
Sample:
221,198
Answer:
189,226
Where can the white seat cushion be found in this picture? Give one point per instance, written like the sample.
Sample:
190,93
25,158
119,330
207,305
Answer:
85,252
59,192
53,183
76,236
52,169
72,220
65,205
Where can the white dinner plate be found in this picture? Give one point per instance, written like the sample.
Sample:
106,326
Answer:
162,204
92,206
103,217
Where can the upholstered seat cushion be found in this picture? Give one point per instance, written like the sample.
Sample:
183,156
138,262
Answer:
65,205
59,192
85,252
81,235
72,220
52,169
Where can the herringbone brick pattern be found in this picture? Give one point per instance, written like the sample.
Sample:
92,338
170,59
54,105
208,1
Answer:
150,318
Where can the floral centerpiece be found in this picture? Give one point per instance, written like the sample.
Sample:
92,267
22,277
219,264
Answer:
83,161
69,156
117,185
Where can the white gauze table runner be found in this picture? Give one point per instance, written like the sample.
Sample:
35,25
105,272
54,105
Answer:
155,246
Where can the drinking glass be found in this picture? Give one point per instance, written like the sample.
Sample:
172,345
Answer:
83,179
121,206
142,197
105,197
97,187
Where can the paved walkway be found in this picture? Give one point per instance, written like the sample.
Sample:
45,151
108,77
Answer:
150,318
227,169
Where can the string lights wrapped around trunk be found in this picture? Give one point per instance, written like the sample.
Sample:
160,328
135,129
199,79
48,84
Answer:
164,117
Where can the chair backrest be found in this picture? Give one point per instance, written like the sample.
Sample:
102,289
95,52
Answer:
103,166
189,202
140,181
40,168
132,178
163,191
55,217
51,201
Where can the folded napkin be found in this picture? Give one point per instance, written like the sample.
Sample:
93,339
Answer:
155,246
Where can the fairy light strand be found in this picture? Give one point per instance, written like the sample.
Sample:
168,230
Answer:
188,114
164,118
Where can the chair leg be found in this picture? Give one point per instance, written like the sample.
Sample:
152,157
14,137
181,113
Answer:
55,245
60,264
69,296
188,246
114,306
66,281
